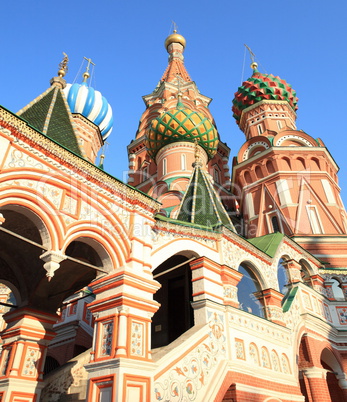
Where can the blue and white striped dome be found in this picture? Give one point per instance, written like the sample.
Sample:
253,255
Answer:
90,104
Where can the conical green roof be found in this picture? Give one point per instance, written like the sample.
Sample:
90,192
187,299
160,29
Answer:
201,205
50,114
181,124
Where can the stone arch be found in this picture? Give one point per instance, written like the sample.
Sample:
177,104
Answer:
28,231
184,246
335,376
13,290
112,252
27,212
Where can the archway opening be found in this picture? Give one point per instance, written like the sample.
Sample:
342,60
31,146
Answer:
247,289
329,363
175,315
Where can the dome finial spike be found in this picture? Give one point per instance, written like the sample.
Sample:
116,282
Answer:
196,154
86,74
63,68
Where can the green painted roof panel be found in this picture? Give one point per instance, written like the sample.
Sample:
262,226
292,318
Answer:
268,243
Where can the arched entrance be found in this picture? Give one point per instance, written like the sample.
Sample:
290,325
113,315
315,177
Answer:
175,315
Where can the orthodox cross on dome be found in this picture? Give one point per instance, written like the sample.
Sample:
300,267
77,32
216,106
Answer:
254,65
63,68
86,74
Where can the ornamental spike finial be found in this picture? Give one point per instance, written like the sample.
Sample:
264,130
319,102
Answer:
63,68
197,154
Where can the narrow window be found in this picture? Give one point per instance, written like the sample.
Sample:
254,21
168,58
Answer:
279,124
283,192
164,166
275,224
260,129
314,220
145,173
183,162
216,176
328,191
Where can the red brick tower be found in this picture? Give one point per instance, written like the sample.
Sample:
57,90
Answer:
286,179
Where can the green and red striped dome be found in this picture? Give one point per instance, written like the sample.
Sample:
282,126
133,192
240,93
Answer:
262,87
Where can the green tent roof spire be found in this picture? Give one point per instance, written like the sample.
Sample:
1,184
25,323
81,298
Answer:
201,205
50,114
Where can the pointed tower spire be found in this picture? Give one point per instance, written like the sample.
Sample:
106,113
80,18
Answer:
175,44
50,113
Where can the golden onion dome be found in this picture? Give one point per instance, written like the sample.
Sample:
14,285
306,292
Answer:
175,38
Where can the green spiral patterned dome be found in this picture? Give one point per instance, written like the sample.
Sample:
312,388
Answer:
262,87
181,124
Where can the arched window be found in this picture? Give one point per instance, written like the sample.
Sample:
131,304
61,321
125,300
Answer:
282,276
248,178
249,285
275,361
265,358
305,273
254,354
139,163
336,289
270,167
258,172
216,175
145,173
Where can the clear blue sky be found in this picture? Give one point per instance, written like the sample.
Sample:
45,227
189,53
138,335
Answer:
303,42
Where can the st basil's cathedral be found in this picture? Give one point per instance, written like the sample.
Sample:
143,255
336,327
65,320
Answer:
193,281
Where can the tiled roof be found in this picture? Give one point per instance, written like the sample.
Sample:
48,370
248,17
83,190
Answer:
201,205
49,113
